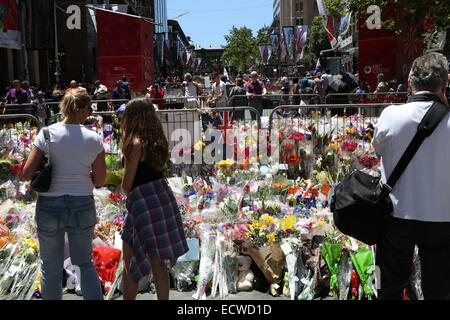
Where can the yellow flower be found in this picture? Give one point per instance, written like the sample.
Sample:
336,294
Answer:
199,145
31,243
267,220
225,163
348,131
334,146
287,223
319,223
271,237
256,224
37,284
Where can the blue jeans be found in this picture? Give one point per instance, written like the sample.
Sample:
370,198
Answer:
54,217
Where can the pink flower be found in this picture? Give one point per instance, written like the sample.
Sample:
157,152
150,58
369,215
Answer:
349,146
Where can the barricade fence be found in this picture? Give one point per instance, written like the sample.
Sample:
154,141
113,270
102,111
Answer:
264,103
199,138
330,135
366,98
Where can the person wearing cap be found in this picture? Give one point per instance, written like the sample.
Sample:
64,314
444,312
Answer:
255,92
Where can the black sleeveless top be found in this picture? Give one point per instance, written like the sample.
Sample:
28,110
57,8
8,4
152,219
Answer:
145,174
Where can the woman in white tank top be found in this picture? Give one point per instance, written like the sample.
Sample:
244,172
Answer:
191,90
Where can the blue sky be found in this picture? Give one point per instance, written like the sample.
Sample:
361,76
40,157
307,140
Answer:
208,21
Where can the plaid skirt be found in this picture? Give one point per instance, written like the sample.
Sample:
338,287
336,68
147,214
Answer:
153,226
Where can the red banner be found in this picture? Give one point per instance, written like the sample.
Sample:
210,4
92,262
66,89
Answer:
381,51
125,45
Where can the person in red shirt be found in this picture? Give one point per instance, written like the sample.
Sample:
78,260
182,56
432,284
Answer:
156,94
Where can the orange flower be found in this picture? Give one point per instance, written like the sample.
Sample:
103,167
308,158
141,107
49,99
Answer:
245,164
326,189
294,159
279,185
293,190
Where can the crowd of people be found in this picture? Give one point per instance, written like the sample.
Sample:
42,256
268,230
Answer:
220,91
44,102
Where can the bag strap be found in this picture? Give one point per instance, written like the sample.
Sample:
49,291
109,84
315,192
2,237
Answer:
47,140
430,121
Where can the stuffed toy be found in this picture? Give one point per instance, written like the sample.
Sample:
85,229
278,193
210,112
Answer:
245,275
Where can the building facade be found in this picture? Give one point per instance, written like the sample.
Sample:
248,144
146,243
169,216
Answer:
76,41
160,17
293,12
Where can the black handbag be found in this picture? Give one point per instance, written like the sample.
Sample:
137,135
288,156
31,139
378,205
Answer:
361,204
43,178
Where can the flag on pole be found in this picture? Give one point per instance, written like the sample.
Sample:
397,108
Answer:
199,63
345,24
283,51
302,36
275,44
225,73
188,56
266,52
318,66
167,52
328,23
289,41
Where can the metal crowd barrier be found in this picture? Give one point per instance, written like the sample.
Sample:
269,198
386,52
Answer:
366,98
321,127
289,115
271,101
9,120
180,102
187,129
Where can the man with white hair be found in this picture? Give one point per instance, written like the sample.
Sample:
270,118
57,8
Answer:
421,215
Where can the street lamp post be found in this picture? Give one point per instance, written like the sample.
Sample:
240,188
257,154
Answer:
57,62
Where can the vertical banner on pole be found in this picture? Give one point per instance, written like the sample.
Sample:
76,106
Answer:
302,36
275,39
289,41
266,52
167,52
328,23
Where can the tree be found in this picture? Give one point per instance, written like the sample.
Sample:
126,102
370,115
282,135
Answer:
317,42
263,35
241,49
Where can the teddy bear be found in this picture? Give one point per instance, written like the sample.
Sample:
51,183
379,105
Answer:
245,275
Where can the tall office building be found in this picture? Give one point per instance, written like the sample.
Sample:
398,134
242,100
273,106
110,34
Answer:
293,12
161,17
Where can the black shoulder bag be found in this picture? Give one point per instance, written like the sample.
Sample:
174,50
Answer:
361,204
42,180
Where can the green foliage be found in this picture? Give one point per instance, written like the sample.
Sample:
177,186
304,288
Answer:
317,42
241,49
263,35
